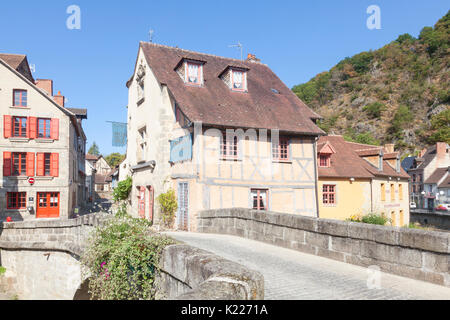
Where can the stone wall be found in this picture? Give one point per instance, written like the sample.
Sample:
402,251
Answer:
43,256
431,219
418,254
190,273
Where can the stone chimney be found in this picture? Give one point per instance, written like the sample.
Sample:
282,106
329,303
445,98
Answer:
59,99
46,85
389,148
442,157
252,58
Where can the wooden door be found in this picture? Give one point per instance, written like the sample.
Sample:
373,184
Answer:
47,205
141,202
151,202
183,204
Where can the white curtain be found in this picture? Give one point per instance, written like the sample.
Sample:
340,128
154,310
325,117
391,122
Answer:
193,73
237,78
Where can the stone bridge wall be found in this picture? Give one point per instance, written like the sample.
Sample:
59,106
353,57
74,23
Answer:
439,220
42,257
418,254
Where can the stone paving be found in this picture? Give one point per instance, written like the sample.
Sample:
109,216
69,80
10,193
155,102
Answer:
292,275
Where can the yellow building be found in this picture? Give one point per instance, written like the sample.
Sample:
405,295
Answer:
357,179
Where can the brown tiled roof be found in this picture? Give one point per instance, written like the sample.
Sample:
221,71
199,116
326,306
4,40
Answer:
215,104
100,179
436,176
79,112
390,156
445,183
92,157
19,63
368,152
347,162
14,60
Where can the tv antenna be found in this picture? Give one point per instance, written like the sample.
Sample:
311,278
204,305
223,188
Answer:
33,68
150,34
238,45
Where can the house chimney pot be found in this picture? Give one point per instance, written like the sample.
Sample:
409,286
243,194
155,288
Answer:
59,99
252,58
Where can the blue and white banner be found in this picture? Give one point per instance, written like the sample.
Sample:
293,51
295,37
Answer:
181,149
119,134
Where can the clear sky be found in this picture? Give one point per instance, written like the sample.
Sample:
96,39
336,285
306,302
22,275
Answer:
297,39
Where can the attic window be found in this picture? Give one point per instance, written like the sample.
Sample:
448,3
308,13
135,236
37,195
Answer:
238,80
193,73
275,91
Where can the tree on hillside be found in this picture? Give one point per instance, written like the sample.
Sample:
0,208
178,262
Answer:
114,159
94,150
440,124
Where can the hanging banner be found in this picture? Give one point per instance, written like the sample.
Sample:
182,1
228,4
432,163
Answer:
119,134
181,149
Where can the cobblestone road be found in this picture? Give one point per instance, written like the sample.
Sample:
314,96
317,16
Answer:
292,275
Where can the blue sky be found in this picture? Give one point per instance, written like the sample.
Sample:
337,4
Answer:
297,39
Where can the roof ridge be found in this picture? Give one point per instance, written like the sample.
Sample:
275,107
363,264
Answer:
198,52
14,54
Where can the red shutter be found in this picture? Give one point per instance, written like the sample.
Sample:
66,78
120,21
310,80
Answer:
54,130
7,126
40,165
30,164
32,128
54,164
6,164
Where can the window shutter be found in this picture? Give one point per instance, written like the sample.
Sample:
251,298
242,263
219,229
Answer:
54,131
7,126
54,164
30,164
6,164
40,165
32,128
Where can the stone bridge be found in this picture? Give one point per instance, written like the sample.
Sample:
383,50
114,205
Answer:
42,262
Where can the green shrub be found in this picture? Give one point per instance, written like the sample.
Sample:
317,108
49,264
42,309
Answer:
122,191
374,218
168,204
374,110
122,260
2,270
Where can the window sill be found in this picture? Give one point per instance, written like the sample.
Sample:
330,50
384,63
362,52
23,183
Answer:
231,159
43,140
24,178
44,178
23,108
19,139
282,161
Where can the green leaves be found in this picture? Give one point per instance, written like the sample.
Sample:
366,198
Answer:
123,190
122,260
114,159
169,206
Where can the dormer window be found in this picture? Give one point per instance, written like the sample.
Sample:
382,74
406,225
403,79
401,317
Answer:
325,152
238,80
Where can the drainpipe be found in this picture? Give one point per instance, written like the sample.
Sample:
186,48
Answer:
371,195
316,175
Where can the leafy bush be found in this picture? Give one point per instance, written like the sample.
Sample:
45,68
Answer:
360,62
374,110
168,204
371,218
405,38
2,270
123,190
440,123
314,90
122,260
402,117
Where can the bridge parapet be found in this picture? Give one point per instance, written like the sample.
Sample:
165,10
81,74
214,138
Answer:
418,254
54,235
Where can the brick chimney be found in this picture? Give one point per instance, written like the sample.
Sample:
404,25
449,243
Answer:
252,58
389,148
441,155
46,85
59,99
422,153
